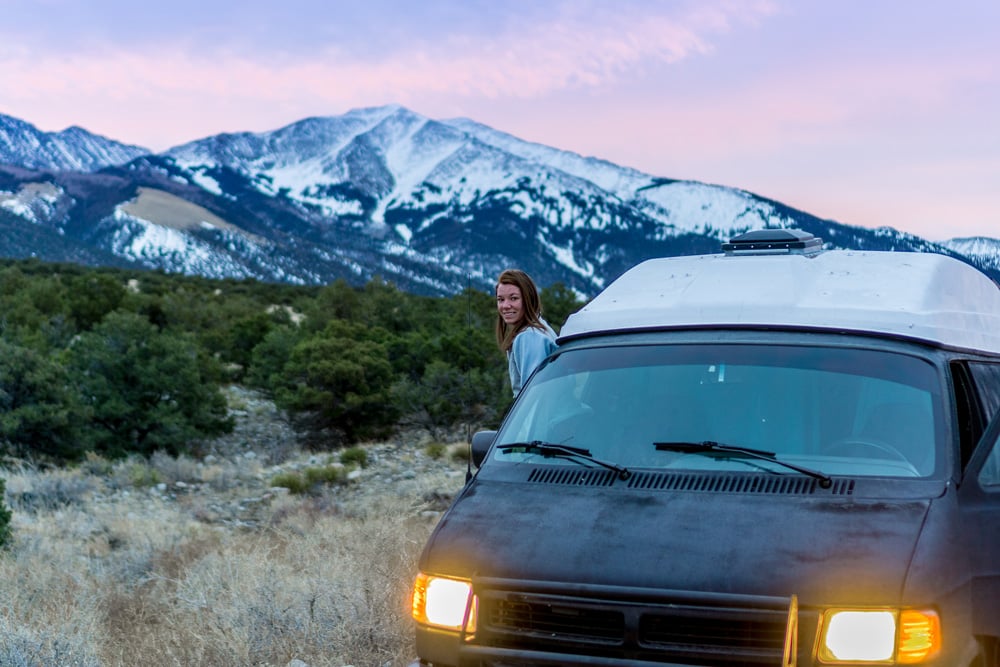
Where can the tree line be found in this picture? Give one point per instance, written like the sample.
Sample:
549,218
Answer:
118,362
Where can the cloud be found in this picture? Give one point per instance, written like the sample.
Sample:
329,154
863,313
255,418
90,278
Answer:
570,49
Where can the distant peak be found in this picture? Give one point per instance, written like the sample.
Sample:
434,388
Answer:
75,131
379,112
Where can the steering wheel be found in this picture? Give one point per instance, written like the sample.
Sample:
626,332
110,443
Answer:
846,445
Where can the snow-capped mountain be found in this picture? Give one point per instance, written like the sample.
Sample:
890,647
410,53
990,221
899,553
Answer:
431,205
74,148
983,252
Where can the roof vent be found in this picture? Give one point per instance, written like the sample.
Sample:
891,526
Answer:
774,242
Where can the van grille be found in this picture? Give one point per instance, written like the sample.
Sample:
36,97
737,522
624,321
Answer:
542,619
684,632
734,630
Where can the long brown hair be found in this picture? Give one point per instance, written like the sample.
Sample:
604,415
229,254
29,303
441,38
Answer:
531,312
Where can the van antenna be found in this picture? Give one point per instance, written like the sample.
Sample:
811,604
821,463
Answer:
465,398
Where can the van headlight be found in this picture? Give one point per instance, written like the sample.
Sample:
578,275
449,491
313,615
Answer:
444,602
878,636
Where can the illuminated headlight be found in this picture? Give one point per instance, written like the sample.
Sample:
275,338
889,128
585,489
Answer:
878,636
444,602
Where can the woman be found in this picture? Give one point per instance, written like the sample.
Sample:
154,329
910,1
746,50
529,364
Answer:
522,334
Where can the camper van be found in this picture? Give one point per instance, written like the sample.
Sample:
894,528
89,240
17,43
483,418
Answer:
773,455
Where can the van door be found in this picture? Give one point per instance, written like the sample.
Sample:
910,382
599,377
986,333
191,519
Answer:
979,499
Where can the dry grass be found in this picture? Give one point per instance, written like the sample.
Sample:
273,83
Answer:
177,562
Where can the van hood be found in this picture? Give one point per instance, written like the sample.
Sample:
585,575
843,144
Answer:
826,550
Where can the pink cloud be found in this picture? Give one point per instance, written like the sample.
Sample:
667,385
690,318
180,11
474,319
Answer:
119,90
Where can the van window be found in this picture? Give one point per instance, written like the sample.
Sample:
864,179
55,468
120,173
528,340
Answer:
987,378
989,476
838,410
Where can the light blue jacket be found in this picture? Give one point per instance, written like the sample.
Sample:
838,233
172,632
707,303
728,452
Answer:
529,350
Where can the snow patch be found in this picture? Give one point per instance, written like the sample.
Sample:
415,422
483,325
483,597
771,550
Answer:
206,182
404,232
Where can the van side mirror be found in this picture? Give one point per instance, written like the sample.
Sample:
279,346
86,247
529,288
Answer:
481,443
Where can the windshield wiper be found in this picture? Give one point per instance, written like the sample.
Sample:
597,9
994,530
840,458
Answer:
579,454
712,448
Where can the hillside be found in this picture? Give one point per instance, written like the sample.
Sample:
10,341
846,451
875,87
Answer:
203,561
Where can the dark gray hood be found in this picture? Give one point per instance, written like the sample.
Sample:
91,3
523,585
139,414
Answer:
827,550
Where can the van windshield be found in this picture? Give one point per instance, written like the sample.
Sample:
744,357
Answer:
837,410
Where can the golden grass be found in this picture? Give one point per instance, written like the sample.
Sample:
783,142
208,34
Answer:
199,571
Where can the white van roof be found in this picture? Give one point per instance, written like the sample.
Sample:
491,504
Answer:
922,296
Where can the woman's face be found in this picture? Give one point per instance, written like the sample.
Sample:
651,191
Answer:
509,303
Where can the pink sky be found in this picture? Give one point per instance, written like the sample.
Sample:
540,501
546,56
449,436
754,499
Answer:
869,113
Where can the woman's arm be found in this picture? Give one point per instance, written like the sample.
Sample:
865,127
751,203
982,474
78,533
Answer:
530,348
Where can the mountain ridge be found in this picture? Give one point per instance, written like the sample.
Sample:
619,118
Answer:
22,144
431,205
